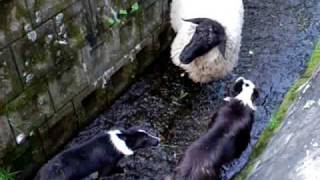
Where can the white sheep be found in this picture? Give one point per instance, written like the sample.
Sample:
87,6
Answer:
208,37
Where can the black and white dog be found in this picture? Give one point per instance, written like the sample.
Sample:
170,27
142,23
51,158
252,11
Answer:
227,137
101,151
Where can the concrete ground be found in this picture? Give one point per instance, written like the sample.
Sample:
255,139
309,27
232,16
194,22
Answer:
294,152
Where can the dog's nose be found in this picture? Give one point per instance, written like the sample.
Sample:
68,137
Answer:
156,142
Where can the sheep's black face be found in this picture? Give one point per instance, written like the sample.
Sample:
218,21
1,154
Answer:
209,34
138,138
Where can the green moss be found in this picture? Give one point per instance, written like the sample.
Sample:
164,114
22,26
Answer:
278,117
21,12
38,4
35,53
25,155
6,7
29,95
5,174
76,35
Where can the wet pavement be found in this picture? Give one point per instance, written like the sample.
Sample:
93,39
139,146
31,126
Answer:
278,38
295,148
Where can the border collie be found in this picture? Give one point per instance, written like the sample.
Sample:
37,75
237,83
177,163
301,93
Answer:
101,151
227,137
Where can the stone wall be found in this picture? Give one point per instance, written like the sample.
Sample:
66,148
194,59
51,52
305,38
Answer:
63,61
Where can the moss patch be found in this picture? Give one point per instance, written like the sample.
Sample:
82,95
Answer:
278,117
76,34
6,174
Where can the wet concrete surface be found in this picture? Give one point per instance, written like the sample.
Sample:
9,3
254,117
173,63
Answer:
295,148
278,38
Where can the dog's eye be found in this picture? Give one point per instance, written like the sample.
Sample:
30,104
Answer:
247,85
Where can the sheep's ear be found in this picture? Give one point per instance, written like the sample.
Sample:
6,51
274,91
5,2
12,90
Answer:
195,20
222,48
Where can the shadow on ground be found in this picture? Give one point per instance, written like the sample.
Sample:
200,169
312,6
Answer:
278,38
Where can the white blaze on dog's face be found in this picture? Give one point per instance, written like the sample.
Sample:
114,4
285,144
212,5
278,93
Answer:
245,91
129,140
119,143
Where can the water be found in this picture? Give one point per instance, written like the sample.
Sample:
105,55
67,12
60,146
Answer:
278,38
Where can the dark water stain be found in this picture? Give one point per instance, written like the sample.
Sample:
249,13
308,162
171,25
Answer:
278,38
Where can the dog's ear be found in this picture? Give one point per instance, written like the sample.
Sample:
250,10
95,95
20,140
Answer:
237,88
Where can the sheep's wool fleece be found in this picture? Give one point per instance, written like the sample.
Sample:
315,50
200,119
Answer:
212,65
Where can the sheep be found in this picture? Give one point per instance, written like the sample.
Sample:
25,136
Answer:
102,151
208,38
227,137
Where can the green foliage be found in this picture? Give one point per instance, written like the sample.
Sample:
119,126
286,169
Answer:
135,7
123,13
278,117
110,22
5,174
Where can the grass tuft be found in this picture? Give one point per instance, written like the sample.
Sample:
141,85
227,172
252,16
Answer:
278,117
6,175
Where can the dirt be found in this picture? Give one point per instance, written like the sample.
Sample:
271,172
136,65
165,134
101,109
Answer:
278,38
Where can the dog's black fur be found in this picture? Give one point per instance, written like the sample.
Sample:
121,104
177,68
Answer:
227,137
99,152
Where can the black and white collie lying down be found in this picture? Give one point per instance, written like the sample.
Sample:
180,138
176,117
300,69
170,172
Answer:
101,151
227,137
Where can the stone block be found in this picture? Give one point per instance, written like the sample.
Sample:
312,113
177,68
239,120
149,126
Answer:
42,10
58,129
121,80
147,54
147,3
99,61
163,37
124,4
152,17
129,35
30,109
10,83
71,37
33,53
92,104
103,12
6,136
83,118
77,30
166,11
67,84
14,16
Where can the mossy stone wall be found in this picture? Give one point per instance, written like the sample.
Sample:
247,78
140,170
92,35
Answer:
61,62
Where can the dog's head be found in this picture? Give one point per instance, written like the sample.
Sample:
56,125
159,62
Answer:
245,87
136,138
